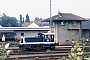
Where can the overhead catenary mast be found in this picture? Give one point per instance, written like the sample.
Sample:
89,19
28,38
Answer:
50,18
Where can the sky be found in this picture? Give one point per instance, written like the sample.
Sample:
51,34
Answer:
41,8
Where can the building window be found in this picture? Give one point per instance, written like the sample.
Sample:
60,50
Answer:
62,23
22,34
74,23
89,34
84,33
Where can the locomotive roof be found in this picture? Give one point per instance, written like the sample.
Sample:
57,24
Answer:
48,33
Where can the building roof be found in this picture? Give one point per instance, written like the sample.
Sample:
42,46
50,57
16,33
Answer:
33,25
86,24
23,28
26,24
39,23
4,31
65,17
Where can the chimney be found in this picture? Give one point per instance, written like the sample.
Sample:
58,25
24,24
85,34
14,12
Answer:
59,14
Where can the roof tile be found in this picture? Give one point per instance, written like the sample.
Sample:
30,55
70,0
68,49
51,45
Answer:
65,16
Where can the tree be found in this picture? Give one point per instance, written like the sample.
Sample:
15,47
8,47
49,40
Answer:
13,22
7,21
4,52
40,19
37,19
27,18
20,20
4,14
23,19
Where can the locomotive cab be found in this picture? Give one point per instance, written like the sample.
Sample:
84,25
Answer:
49,37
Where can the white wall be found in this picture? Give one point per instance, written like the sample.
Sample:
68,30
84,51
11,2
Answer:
27,33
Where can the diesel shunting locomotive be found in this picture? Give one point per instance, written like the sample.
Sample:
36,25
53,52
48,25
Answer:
41,41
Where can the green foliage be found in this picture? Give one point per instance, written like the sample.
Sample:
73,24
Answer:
21,20
83,44
3,52
27,18
48,50
76,51
38,19
72,32
7,21
10,43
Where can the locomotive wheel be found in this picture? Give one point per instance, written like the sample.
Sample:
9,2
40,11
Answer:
23,48
52,47
20,48
46,48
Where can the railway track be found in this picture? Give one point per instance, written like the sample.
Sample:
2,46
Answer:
37,54
57,48
40,55
55,54
23,52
